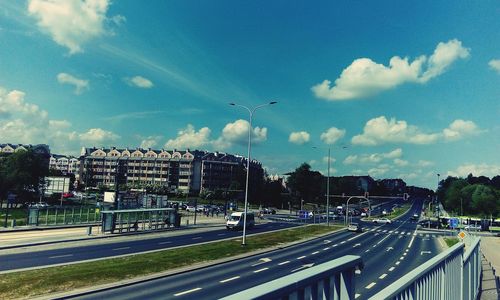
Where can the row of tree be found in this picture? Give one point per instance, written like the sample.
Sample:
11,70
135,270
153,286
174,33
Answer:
472,196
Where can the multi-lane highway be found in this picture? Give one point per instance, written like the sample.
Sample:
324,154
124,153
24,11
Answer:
388,251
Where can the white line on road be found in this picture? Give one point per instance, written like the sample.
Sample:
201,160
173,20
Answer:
197,238
283,263
391,269
343,242
221,234
370,285
382,276
59,256
335,245
260,270
356,296
401,258
315,252
187,292
229,279
367,251
301,257
327,248
163,243
397,263
122,248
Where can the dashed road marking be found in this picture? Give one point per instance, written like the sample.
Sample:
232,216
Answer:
391,269
343,242
163,243
122,248
229,279
187,292
197,238
335,245
356,296
397,263
315,252
301,257
283,263
260,270
382,276
221,234
327,248
370,285
401,258
60,256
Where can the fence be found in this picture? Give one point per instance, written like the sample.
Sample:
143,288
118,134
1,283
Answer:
63,216
143,219
453,274
330,280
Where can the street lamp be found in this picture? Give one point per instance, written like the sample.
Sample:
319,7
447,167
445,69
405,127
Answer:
327,190
437,199
251,112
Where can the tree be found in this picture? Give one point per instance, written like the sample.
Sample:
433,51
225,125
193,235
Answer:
452,195
305,183
484,200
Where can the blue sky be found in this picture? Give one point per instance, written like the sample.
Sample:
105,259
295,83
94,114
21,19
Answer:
395,90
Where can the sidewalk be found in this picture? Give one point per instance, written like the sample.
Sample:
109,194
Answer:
490,260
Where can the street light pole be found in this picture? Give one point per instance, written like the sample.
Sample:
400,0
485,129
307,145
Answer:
251,112
328,192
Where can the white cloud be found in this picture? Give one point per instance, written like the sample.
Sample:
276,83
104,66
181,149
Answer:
400,162
459,129
140,82
364,77
72,23
80,84
495,65
424,163
372,158
380,130
378,171
299,138
237,133
464,170
332,159
149,142
190,138
332,135
27,123
98,135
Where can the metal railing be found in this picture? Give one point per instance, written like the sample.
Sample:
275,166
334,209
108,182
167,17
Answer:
330,280
63,216
453,274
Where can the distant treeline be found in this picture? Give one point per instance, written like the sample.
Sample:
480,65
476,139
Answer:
472,196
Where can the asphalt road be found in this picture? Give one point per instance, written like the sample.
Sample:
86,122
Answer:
388,251
84,252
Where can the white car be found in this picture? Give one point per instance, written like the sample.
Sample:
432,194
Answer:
382,221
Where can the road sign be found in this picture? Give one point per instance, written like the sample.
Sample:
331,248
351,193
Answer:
453,222
462,235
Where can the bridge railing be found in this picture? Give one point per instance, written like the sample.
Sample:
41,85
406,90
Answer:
453,274
330,280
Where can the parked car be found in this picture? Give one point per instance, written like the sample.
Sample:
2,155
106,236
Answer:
382,221
415,216
68,195
355,227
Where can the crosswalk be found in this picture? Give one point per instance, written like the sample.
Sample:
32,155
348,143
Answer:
405,233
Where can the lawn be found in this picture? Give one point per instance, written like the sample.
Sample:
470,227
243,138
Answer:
58,279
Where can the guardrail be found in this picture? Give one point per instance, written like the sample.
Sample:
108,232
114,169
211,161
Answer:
330,280
453,274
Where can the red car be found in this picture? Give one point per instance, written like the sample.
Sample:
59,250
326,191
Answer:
68,195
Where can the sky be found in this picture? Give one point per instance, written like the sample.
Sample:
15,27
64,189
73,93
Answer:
393,89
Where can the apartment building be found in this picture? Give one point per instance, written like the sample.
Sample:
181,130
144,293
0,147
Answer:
184,171
65,164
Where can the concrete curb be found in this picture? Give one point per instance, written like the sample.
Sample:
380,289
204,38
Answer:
140,279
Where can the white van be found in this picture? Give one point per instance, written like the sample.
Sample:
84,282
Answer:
235,221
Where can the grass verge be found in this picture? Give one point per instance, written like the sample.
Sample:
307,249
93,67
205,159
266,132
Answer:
451,241
58,279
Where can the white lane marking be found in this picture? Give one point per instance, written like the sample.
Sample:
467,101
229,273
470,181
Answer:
404,254
396,232
372,229
262,261
384,231
376,234
122,248
370,285
357,272
221,234
301,257
283,263
411,242
391,269
391,231
356,296
367,251
335,245
229,279
374,246
260,270
59,256
163,243
327,241
197,238
397,263
408,233
401,258
343,242
187,292
351,238
327,248
357,245
382,276
315,252
425,252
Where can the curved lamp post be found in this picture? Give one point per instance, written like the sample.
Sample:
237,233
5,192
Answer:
251,112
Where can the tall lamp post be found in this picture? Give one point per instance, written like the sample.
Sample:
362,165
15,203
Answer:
437,200
327,189
251,112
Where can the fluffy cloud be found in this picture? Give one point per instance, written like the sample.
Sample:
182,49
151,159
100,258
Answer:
378,171
332,135
464,170
400,162
495,65
27,123
380,130
299,138
424,163
190,138
459,129
373,158
71,23
237,133
364,77
140,82
149,142
80,84
98,135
